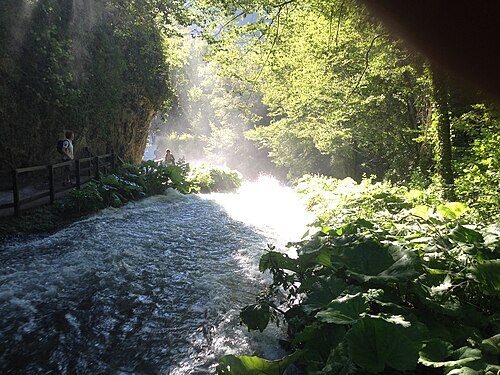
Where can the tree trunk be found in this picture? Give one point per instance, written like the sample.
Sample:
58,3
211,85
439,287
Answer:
444,151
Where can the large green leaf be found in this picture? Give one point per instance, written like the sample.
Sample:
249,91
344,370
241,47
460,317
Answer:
451,210
434,352
465,371
273,259
375,343
245,365
367,258
491,350
488,274
322,292
372,261
344,310
439,353
317,341
423,212
255,317
466,235
492,344
406,266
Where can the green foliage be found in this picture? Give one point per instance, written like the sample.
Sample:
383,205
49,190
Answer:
90,70
128,183
477,169
342,97
338,201
207,178
158,177
400,283
211,114
83,201
231,365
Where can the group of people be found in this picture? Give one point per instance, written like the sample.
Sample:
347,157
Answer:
168,158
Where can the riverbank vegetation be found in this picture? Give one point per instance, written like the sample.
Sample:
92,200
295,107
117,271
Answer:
391,281
129,183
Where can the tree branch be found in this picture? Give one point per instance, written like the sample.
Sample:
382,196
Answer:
338,22
230,21
283,4
366,67
272,45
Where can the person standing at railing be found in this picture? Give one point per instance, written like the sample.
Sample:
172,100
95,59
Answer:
67,154
169,158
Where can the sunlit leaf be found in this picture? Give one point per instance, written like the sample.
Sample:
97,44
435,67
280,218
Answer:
413,194
451,210
347,229
443,287
423,212
246,365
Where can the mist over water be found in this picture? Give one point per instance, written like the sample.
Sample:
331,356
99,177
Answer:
151,288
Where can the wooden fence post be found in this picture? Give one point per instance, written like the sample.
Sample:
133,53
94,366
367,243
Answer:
51,184
15,190
77,167
96,167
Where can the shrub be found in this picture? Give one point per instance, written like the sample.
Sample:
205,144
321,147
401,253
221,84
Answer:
206,178
128,183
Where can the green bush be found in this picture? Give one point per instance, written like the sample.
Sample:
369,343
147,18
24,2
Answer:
207,178
84,201
337,202
128,183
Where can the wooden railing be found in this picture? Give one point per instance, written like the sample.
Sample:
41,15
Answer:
52,176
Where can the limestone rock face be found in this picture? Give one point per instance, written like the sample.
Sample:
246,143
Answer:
23,146
131,134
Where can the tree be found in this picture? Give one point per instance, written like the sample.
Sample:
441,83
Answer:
444,150
341,88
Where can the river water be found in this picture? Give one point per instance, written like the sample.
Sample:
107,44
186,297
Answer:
154,287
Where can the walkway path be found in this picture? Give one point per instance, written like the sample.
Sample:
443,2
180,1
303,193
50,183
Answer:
6,196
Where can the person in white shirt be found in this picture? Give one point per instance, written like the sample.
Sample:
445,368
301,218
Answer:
67,154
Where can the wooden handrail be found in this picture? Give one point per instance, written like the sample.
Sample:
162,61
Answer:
31,169
94,165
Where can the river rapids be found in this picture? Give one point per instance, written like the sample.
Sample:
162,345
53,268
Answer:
154,287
